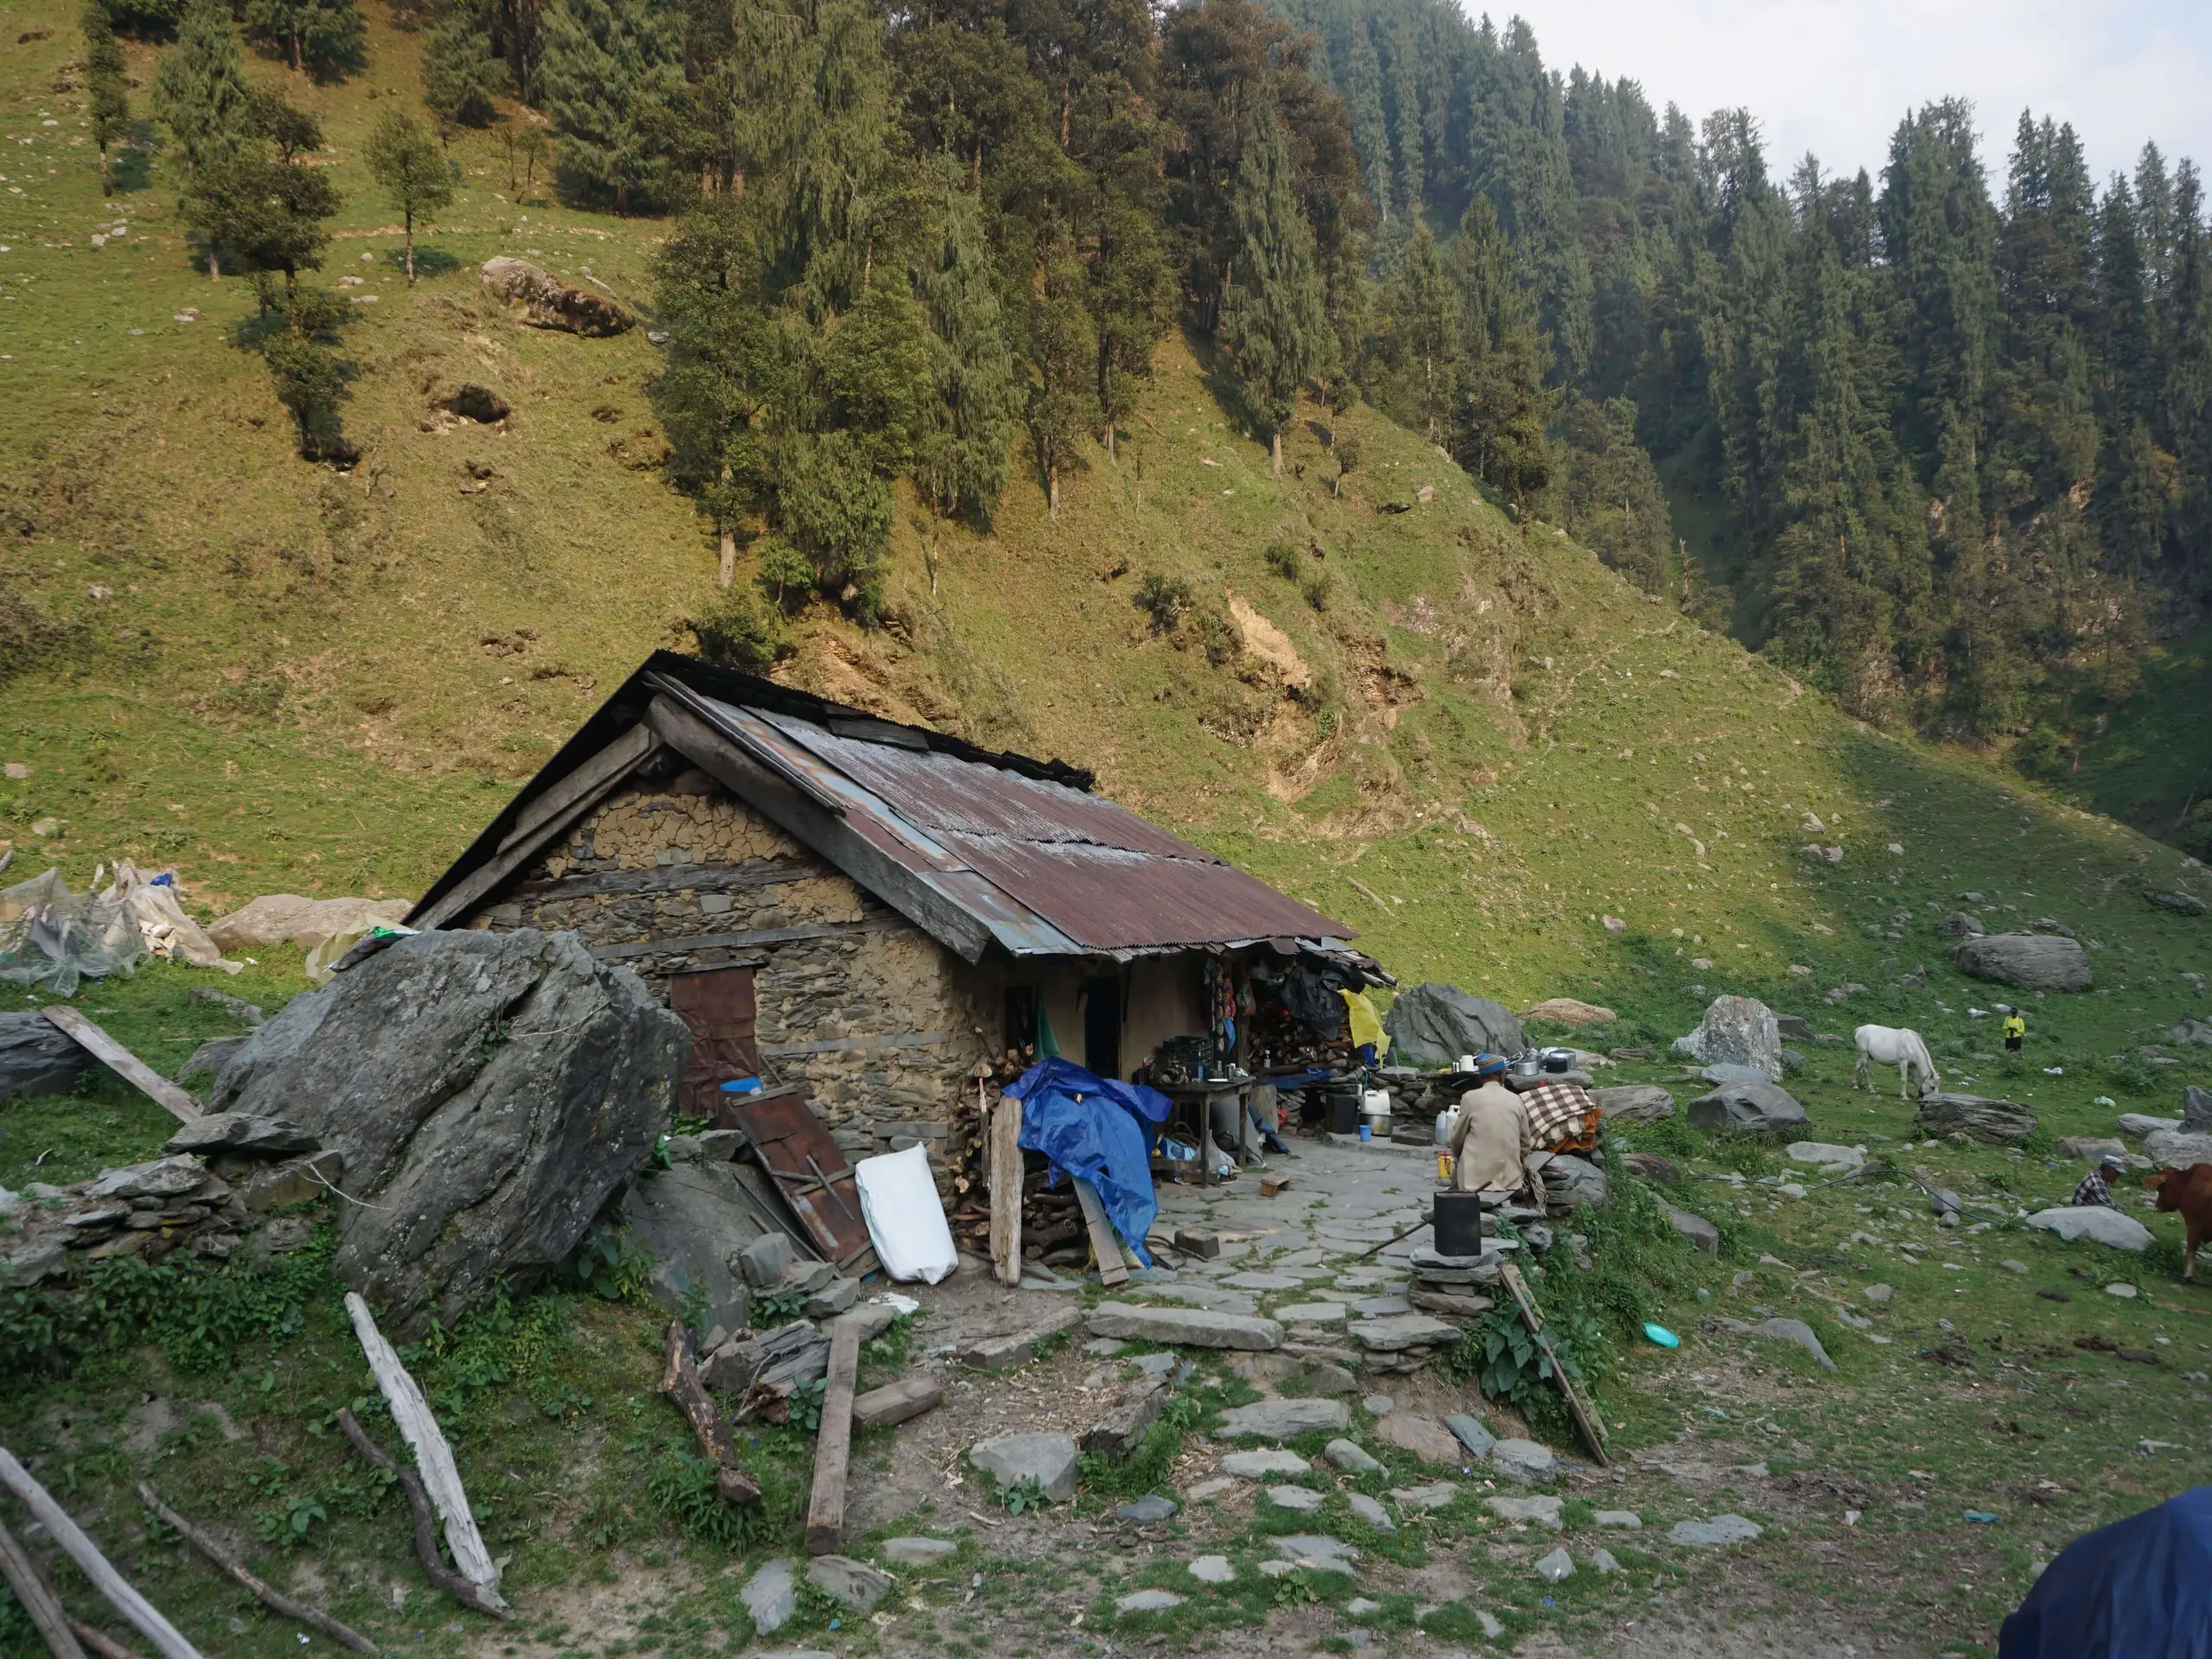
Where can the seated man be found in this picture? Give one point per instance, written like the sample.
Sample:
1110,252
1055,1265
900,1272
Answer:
1491,1136
2096,1186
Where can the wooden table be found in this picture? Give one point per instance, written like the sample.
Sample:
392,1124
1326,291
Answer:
1200,1096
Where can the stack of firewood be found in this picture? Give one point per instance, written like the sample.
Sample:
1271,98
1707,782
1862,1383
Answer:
1050,1216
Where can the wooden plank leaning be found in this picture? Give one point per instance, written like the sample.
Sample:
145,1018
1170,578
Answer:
37,1597
275,1600
833,1444
1105,1243
681,1383
142,1615
121,1061
410,1413
1006,1173
1585,1418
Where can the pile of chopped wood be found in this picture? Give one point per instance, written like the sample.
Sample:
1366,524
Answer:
1050,1216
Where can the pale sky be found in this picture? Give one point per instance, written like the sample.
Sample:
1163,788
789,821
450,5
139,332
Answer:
1834,76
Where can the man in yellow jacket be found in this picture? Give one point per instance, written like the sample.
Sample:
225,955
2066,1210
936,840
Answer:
2016,1031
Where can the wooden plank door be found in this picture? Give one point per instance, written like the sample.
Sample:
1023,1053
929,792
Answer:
810,1172
717,1004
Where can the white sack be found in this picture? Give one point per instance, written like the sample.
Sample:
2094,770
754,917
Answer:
904,1217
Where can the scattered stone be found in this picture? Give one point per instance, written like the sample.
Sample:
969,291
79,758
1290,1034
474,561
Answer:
1192,1326
771,1595
1156,1364
1650,1166
2094,1148
1278,1420
833,1298
1424,1437
1995,1123
1737,1031
1603,1560
548,303
2126,1291
1377,1405
1277,1569
1351,1458
2140,1125
1147,1511
1423,1497
2177,1148
1701,1233
1311,1313
1531,1511
1147,1601
1472,1434
917,1552
1369,1510
2010,1266
1020,1347
1962,924
1103,1347
1381,1307
1556,1565
1622,1520
2039,961
1302,1499
1795,1331
2196,1107
2191,1031
1359,1606
1634,1102
1258,1466
1521,1461
1317,1550
1879,1294
1264,1280
1569,1012
2093,1221
766,1260
694,1221
1205,1489
1720,1530
2187,903
1011,1459
1198,1242
1570,1182
37,1057
1824,1155
1748,1109
165,1178
1213,1569
1401,1331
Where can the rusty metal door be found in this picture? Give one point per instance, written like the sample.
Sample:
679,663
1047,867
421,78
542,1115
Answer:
789,1142
717,1004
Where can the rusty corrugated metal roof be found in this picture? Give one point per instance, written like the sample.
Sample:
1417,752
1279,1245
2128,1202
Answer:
1050,869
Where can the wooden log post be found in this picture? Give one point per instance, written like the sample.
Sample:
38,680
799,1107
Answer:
1006,1172
38,1600
833,1445
426,1530
141,1613
681,1383
411,1413
99,1641
313,1617
894,1402
1105,1243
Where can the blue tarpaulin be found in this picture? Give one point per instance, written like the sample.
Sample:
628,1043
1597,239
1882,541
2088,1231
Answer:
1099,1129
2138,1589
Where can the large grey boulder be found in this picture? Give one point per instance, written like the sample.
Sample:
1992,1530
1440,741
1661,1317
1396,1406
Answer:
2037,961
1737,1031
2138,1124
1994,1123
487,1093
37,1058
1701,1233
1434,1024
1795,1331
2107,1227
1570,1182
2177,1148
2187,903
1634,1102
696,1224
547,302
2191,1031
1749,1109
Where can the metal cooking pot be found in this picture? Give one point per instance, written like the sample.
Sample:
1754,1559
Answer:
1526,1065
1559,1059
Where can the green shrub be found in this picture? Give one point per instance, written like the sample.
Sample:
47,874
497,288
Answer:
736,633
785,574
1315,587
1162,598
1282,559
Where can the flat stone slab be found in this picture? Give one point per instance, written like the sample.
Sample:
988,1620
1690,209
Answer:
1423,1497
1206,1489
1351,1458
1010,1459
1396,1334
1303,1499
917,1552
1214,1300
1720,1530
2107,1227
1264,1280
1258,1466
853,1584
1825,1154
1795,1331
1147,1601
1189,1326
1103,1347
1556,1565
1369,1510
771,1595
1147,1511
1626,1520
1532,1511
1317,1550
1470,1433
1380,1307
1213,1569
1277,1419
1311,1313
1424,1437
1521,1460
1155,1364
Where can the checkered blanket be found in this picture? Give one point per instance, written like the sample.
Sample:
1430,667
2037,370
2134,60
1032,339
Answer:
1562,1117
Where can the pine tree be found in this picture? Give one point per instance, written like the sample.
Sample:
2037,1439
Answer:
1129,286
1272,321
1363,90
612,80
327,37
1425,335
1064,352
199,87
108,101
1408,141
462,76
407,164
961,459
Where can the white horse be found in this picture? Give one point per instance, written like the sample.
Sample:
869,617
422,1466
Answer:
1895,1045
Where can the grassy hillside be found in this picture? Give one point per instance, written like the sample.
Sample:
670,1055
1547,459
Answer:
2154,761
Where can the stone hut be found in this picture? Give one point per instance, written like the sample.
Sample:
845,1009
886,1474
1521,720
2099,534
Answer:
863,909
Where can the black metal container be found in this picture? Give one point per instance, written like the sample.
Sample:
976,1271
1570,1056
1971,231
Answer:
1457,1221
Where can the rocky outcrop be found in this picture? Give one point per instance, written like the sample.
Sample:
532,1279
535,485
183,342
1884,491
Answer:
37,1057
548,303
2196,1109
1570,1182
1570,1012
1995,1123
487,1092
1634,1102
2176,1148
2187,903
2036,962
1737,1031
1748,1109
1439,1023
1963,924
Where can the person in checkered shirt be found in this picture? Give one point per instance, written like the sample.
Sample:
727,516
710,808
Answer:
2096,1186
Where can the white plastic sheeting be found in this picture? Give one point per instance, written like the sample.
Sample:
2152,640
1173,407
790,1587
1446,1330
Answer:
904,1217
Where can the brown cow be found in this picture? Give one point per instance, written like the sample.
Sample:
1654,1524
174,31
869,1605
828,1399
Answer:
2189,1191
